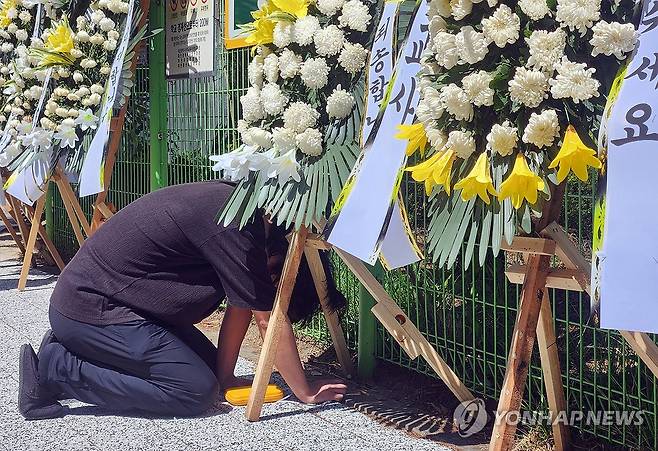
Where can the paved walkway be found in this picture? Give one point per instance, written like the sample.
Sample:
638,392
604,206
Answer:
286,425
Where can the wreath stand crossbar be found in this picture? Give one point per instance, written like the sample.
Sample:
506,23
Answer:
534,319
386,310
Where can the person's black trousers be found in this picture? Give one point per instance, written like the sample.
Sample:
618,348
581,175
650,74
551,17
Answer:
139,365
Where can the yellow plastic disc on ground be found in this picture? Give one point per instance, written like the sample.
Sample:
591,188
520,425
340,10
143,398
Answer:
238,396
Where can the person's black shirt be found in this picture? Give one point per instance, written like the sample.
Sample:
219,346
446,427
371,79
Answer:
164,257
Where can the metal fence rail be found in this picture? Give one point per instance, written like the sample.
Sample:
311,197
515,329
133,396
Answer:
467,313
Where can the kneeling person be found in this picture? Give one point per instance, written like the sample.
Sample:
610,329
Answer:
123,310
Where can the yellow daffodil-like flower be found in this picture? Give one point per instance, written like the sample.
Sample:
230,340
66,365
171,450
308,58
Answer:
521,184
478,182
262,33
416,136
435,171
264,11
574,156
61,38
5,6
298,8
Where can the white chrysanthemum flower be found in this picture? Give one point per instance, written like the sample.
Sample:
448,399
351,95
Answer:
578,14
476,86
613,39
329,7
271,68
439,8
542,129
273,99
305,29
546,49
435,136
106,24
575,81
534,9
310,142
283,34
445,49
462,143
299,116
255,72
289,63
502,139
461,8
355,15
315,73
528,87
340,103
436,26
455,101
432,97
284,139
502,27
329,41
255,136
353,58
424,113
472,46
252,108
25,16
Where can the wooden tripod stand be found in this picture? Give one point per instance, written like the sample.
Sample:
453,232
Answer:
386,310
534,318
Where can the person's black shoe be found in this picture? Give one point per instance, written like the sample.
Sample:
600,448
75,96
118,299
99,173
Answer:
34,401
48,337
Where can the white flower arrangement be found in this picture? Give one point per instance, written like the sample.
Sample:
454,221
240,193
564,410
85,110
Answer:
308,56
506,82
76,55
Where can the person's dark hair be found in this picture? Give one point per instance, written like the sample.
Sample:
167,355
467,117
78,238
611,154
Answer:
304,303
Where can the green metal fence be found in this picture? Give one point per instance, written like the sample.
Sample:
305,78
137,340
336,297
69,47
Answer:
468,314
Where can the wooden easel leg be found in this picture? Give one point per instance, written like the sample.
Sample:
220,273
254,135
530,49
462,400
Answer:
17,214
643,346
70,212
518,361
333,322
54,253
277,318
31,241
71,202
550,364
11,230
419,342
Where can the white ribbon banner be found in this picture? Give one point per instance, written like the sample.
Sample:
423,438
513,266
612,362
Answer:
628,261
92,174
379,167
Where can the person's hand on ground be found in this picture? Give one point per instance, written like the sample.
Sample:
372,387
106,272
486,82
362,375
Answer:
325,390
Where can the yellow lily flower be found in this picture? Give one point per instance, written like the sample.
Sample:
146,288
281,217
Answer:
435,170
521,184
416,136
574,156
61,38
5,6
263,32
264,11
478,181
298,8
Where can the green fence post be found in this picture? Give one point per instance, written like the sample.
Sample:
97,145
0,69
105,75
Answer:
158,97
367,330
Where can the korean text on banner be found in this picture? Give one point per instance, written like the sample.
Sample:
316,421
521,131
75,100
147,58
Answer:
380,165
628,261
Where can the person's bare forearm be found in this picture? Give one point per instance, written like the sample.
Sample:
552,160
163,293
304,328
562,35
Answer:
289,365
231,334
